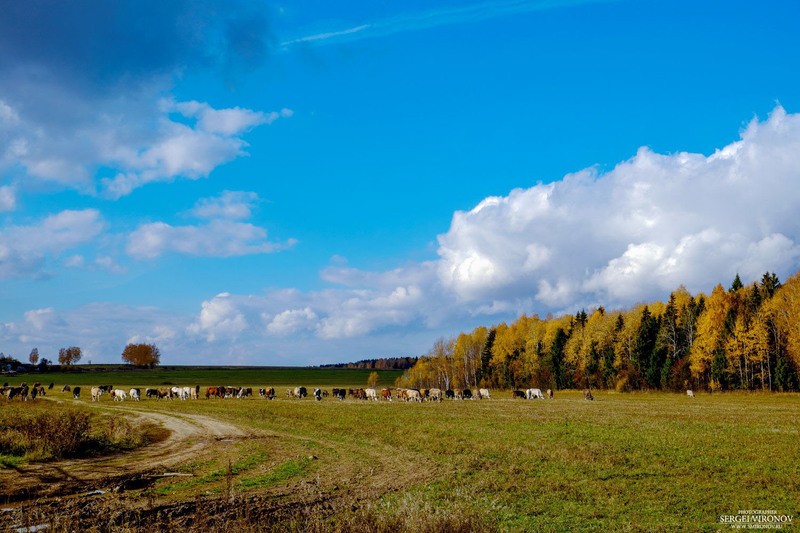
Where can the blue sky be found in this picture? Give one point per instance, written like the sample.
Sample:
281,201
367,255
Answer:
299,183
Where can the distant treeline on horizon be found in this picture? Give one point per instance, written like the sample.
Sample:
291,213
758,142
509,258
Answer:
384,363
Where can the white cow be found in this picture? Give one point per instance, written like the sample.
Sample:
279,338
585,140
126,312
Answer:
186,393
119,395
134,394
435,395
413,395
690,393
96,393
484,394
532,394
372,394
180,392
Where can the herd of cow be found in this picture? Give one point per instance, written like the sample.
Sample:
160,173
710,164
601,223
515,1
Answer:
24,392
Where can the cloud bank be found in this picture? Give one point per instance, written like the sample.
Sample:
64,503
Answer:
650,224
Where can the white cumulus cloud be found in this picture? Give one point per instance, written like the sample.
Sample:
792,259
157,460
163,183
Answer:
234,205
219,317
25,249
218,238
652,223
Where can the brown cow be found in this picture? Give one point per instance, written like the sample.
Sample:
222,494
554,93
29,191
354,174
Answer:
386,394
217,392
587,394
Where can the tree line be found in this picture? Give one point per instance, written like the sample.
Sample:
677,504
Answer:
141,354
742,338
383,363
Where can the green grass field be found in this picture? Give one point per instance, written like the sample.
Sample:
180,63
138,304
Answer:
641,461
232,376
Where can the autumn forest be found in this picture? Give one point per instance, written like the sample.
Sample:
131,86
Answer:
746,337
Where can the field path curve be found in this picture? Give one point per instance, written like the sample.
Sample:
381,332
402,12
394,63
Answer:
190,436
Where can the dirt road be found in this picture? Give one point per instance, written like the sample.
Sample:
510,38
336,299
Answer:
189,436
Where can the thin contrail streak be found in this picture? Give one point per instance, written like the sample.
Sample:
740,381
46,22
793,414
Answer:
431,19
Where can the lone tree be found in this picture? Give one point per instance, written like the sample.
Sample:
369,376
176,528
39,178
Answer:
34,356
141,355
69,356
373,379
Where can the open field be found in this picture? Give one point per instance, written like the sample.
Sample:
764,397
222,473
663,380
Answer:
623,462
234,376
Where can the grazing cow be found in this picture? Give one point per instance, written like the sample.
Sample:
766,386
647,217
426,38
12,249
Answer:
386,394
65,388
358,394
318,395
119,395
50,387
550,393
435,395
20,392
267,393
186,393
300,392
339,393
213,391
587,394
151,393
450,394
484,394
134,394
466,394
164,393
518,394
76,392
106,388
244,392
372,394
533,394
96,393
195,392
34,392
401,394
690,393
413,395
